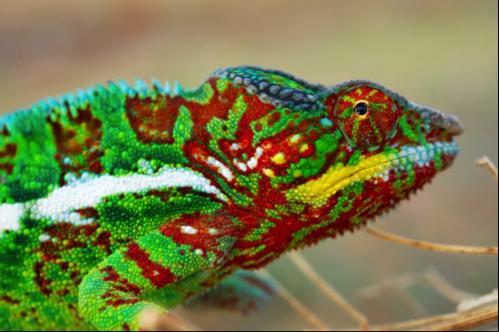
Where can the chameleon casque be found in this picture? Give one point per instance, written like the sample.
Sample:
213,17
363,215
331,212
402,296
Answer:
115,199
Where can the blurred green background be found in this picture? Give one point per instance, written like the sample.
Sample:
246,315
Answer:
440,53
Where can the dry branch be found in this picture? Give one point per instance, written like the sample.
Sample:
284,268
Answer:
299,307
448,248
155,320
328,290
448,322
465,320
486,163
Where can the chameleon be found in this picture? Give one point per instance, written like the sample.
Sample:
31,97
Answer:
116,199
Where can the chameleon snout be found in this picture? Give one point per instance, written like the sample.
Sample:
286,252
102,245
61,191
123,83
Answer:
437,119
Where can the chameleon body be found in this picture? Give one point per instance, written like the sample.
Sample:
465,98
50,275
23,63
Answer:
117,198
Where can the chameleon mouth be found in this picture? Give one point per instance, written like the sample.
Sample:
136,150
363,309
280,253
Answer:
381,167
410,158
437,155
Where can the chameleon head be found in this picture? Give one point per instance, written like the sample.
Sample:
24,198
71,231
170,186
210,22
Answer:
372,149
336,156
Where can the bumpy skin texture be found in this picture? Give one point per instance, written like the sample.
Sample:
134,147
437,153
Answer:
116,198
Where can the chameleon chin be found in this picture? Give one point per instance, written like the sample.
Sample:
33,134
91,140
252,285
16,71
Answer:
119,198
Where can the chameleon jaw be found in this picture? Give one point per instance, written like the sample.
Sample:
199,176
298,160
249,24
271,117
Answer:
318,191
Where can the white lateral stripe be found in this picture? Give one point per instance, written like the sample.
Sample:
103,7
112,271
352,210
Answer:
221,168
10,214
89,193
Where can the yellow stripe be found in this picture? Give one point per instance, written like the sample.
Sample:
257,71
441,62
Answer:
317,192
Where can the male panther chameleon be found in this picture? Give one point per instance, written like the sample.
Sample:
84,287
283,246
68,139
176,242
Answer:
115,199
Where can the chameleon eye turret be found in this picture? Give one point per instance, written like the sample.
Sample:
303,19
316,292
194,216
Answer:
116,198
367,116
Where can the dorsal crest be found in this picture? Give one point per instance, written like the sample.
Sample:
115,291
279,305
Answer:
274,86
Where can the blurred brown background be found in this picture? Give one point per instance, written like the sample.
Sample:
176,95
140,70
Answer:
440,53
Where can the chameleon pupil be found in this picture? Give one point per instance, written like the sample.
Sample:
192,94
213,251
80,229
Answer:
361,108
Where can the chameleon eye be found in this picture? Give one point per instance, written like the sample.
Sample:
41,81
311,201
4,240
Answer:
361,107
366,115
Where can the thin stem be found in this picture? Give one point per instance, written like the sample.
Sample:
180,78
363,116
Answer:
303,265
412,324
448,248
447,322
299,307
486,163
466,320
154,320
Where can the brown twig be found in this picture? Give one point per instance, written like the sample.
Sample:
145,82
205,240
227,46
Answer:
302,264
475,302
486,163
413,323
465,320
299,307
156,320
448,248
446,322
